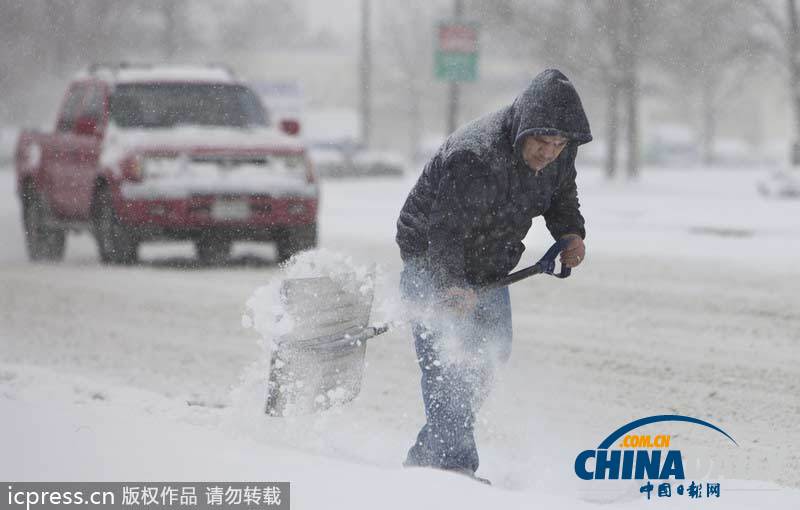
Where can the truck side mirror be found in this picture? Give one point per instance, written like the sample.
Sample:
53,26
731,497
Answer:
290,126
86,125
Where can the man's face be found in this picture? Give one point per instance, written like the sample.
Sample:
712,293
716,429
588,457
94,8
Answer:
540,151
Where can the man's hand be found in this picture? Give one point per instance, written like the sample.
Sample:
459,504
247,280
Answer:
461,300
575,251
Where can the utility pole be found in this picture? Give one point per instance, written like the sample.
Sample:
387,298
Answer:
365,73
452,104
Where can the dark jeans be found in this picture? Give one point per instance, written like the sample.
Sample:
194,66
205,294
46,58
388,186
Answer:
457,356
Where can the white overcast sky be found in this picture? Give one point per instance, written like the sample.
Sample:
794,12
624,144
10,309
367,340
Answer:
340,16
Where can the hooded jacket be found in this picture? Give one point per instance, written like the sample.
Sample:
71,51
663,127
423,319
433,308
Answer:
476,198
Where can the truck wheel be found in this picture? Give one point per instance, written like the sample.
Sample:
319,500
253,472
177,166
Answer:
295,240
115,242
43,241
213,251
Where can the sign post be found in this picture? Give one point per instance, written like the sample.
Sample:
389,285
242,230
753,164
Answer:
456,59
457,52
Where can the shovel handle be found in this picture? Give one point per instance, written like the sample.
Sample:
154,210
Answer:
549,259
546,265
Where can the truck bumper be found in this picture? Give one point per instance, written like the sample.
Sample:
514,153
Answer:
234,217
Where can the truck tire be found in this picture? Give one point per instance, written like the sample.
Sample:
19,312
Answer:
115,241
44,242
295,240
212,251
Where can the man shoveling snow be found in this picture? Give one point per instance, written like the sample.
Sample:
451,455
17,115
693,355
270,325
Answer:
462,227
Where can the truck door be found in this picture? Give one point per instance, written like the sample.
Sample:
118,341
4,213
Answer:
61,156
89,129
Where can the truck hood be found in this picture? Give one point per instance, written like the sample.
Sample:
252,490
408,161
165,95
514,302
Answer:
194,140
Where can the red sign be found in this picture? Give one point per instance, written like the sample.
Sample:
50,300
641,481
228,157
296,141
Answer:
458,38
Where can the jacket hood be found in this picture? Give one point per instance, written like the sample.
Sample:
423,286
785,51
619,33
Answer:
550,106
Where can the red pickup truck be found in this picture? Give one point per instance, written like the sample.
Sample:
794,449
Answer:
164,153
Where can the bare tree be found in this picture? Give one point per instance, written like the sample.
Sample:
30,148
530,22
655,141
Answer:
612,78
710,54
602,42
169,9
46,41
794,72
259,24
781,36
631,51
365,72
405,48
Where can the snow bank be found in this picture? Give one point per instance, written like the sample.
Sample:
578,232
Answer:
88,430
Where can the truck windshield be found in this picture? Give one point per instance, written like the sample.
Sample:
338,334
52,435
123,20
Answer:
160,105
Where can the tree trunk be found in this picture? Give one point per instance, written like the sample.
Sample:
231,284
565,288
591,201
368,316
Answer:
365,73
632,88
612,131
794,76
170,29
632,163
415,121
709,122
613,79
62,52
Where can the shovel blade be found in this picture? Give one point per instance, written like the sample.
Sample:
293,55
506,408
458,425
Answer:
320,362
309,380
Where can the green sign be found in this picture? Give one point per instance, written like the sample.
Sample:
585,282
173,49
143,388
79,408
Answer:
456,66
457,52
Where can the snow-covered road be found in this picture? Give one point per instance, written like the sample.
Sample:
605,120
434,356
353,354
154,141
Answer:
688,303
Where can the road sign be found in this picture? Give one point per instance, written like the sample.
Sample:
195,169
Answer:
457,51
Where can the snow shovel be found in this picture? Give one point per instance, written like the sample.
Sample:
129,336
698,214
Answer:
320,362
